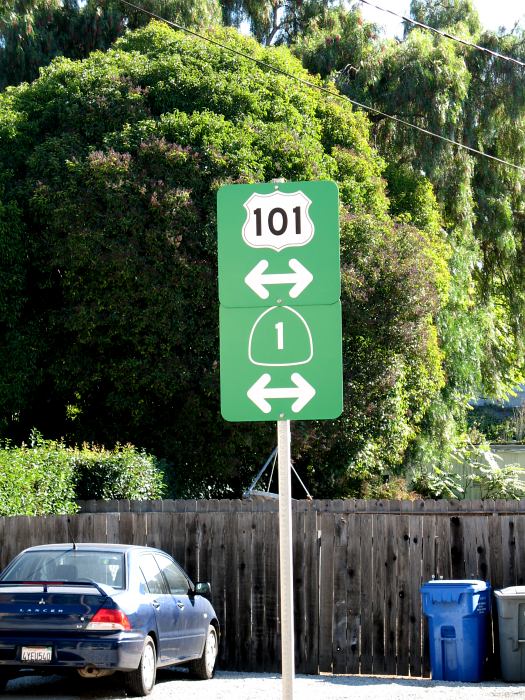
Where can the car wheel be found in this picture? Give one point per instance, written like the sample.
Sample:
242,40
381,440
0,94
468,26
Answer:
141,681
204,668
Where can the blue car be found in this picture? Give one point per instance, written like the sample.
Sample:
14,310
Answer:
101,608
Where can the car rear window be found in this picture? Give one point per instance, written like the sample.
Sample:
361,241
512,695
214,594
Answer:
69,565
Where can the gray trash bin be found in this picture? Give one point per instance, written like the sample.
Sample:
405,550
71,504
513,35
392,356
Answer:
511,617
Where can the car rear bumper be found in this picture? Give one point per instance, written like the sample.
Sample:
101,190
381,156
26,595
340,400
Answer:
119,652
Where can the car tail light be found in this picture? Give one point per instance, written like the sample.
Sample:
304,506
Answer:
109,619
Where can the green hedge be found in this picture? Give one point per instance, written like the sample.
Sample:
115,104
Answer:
47,477
124,472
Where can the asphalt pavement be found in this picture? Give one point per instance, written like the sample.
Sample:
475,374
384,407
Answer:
174,684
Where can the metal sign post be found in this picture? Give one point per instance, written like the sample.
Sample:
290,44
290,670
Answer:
280,329
286,557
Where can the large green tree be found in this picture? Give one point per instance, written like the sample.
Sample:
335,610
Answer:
33,32
110,168
275,21
470,96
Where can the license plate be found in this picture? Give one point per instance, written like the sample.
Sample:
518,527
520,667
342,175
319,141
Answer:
38,654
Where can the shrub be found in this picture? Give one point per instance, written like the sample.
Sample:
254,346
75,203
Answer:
437,482
124,472
47,477
393,489
493,478
36,479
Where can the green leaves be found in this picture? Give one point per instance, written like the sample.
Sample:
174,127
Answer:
475,205
499,481
122,473
34,32
46,477
36,480
113,164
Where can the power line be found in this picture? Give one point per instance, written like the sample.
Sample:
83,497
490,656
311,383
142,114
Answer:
442,33
323,89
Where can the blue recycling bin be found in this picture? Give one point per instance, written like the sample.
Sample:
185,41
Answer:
458,613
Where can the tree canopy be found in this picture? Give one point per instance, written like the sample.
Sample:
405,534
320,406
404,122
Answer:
108,172
109,169
34,32
474,98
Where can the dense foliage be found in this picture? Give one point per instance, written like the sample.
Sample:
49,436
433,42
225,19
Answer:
121,473
472,97
46,477
36,480
33,32
275,21
108,175
110,169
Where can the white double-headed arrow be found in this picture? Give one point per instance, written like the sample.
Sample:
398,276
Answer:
299,278
302,391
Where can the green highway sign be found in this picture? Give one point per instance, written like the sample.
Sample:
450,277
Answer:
281,363
271,239
279,288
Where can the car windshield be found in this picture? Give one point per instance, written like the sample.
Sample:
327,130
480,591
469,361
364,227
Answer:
68,565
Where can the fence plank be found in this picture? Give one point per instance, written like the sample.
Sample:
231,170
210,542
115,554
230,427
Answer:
112,528
12,542
456,547
483,548
508,549
443,555
83,527
340,604
154,528
4,554
368,581
353,592
300,603
207,548
471,526
435,549
520,549
244,585
178,536
231,599
258,646
128,528
415,577
311,590
392,546
401,585
326,593
99,527
219,576
192,543
378,594
273,612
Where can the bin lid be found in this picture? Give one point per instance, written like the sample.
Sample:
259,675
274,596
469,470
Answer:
470,586
511,592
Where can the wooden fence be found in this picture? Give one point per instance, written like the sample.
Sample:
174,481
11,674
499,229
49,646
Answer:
358,568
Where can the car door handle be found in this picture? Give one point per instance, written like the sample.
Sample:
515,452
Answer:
155,604
180,605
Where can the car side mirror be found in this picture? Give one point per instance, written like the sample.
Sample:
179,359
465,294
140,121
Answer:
203,589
